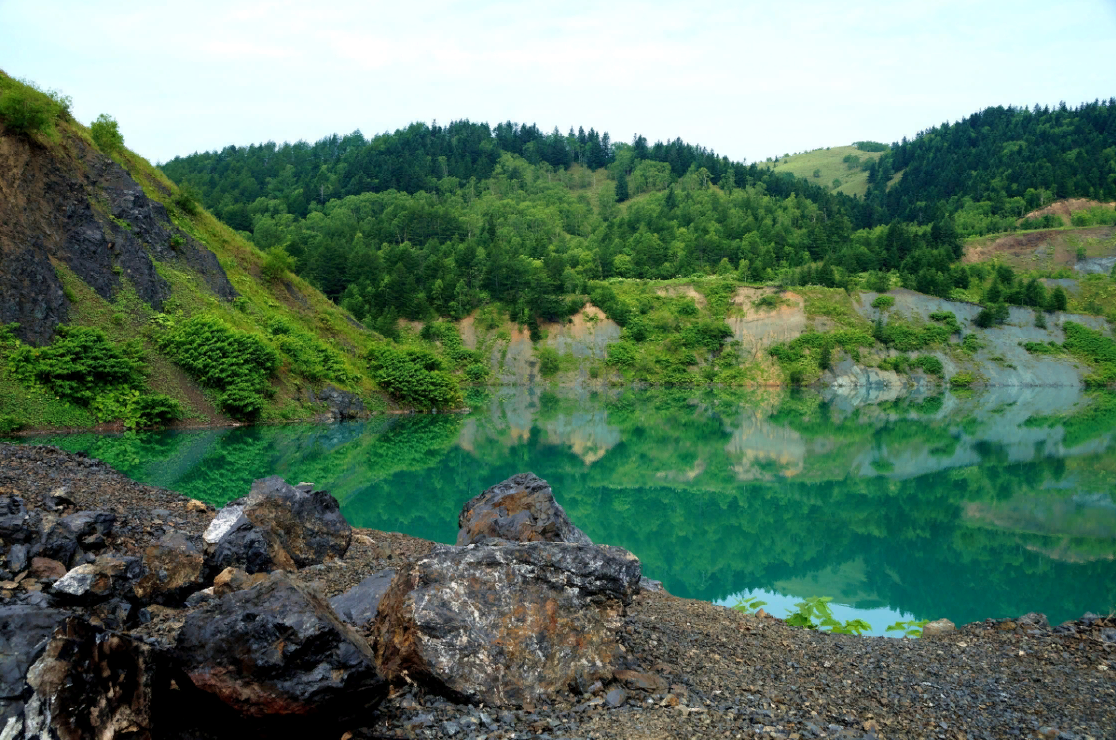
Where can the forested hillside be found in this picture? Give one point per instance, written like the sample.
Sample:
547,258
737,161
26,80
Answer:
438,221
991,168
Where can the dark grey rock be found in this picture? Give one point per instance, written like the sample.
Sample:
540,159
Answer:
359,604
278,649
25,631
521,509
18,558
276,526
17,524
340,405
646,584
55,219
506,625
616,697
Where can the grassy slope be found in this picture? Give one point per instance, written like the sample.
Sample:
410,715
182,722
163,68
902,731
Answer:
853,182
261,302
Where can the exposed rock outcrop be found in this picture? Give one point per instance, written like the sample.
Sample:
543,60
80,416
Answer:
90,215
340,405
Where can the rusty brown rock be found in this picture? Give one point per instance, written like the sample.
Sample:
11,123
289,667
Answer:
231,580
171,572
276,527
46,568
637,681
93,684
508,625
521,509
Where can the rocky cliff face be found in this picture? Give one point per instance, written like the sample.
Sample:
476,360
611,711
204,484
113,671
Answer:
70,204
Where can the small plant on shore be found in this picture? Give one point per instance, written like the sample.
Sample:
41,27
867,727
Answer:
814,613
9,424
909,628
748,605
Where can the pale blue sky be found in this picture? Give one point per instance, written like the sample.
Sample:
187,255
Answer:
748,79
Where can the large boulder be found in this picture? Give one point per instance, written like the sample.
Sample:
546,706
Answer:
278,649
89,683
508,624
521,509
276,526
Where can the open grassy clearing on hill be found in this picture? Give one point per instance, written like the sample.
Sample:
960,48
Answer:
830,164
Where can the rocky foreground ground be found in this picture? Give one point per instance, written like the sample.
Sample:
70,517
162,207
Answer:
118,618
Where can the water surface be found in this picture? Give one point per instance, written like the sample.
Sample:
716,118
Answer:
961,506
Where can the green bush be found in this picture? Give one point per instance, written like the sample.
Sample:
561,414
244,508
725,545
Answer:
150,411
948,318
621,354
1095,348
907,338
309,357
992,316
277,264
709,335
79,365
186,199
476,373
135,409
1043,348
414,377
9,424
106,134
962,380
549,361
236,363
27,110
883,302
931,365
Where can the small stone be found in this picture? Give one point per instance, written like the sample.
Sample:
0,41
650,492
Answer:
193,505
670,701
1006,626
616,698
636,681
450,728
231,580
46,569
938,628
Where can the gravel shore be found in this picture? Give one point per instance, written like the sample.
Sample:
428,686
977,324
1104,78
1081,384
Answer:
696,669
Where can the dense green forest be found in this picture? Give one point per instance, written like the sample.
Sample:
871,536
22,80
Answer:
437,221
991,168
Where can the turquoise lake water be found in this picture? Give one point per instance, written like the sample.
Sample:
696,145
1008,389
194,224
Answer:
965,506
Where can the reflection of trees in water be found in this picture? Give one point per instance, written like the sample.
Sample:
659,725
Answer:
977,533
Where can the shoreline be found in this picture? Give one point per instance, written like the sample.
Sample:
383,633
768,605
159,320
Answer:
705,669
